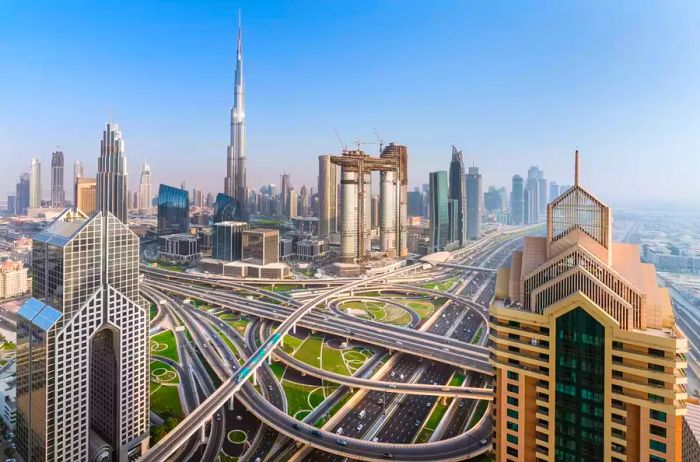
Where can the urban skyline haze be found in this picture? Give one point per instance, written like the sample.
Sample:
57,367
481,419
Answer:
509,87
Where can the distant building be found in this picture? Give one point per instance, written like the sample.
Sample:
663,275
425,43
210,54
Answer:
664,260
530,206
227,240
260,246
439,212
226,208
310,249
13,279
58,192
415,203
173,210
292,203
22,193
78,172
111,174
454,231
458,194
553,190
375,211
533,184
86,195
35,184
145,191
493,200
179,247
12,204
474,198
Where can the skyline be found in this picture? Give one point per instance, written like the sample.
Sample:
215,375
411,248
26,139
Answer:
544,85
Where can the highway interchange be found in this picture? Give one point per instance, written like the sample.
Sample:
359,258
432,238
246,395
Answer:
392,395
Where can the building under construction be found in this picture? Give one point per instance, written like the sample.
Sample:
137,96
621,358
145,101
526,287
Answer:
356,202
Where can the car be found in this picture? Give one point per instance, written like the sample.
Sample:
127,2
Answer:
380,401
316,433
393,373
445,349
257,459
339,431
360,427
461,403
341,442
401,377
296,426
483,442
417,423
362,413
387,455
218,416
375,440
392,386
428,404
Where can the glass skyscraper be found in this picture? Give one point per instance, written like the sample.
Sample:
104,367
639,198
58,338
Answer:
226,208
458,193
173,210
439,214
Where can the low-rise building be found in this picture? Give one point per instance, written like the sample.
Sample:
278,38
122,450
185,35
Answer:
13,279
227,240
311,249
179,247
8,396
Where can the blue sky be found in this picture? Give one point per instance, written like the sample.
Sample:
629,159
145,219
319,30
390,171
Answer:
509,83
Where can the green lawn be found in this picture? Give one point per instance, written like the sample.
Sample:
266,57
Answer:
9,346
332,361
457,380
297,397
170,375
292,342
435,416
240,325
480,410
442,286
165,338
278,370
229,343
171,267
310,351
333,410
424,309
424,436
153,311
165,402
477,335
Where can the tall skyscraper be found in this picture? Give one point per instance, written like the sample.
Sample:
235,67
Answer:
474,203
58,192
516,201
235,184
328,185
78,172
589,362
292,203
493,200
553,190
439,214
415,203
145,190
112,173
534,175
22,193
35,184
173,210
285,187
458,192
543,196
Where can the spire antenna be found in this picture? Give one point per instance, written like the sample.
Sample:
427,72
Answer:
576,171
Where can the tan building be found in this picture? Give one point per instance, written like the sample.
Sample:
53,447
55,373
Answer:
260,246
13,279
86,195
589,363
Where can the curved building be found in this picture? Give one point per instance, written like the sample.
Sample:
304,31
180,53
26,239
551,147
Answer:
226,208
173,210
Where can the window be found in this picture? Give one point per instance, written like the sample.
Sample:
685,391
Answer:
513,414
513,388
656,398
655,352
653,458
512,426
658,431
512,439
657,415
512,452
656,367
657,446
512,375
512,401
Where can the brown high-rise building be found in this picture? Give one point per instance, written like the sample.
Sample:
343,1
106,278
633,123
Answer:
260,246
589,362
86,195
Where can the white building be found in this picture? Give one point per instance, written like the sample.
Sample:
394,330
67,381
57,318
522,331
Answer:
13,279
35,184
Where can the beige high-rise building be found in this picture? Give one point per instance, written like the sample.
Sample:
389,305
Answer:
328,184
86,195
13,279
589,363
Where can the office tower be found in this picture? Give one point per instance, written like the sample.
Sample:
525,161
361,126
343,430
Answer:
328,183
12,204
589,363
227,240
439,214
226,209
553,190
530,206
458,192
78,172
112,173
82,345
453,230
209,202
86,195
543,196
235,183
517,201
474,203
58,193
292,203
415,203
393,201
534,175
173,210
23,193
35,184
145,190
261,246
285,187
494,200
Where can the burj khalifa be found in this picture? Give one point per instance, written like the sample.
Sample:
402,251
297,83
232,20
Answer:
235,181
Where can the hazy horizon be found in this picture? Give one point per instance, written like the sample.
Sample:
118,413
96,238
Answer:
511,85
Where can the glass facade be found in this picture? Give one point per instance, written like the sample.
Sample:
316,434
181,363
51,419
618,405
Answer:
173,210
580,384
439,218
226,208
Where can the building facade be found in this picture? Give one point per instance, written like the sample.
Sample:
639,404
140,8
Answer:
260,246
13,279
173,210
58,192
22,193
82,345
439,213
589,363
474,203
86,195
328,185
227,240
145,195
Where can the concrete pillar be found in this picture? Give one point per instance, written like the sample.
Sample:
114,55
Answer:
255,377
202,435
230,403
294,328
